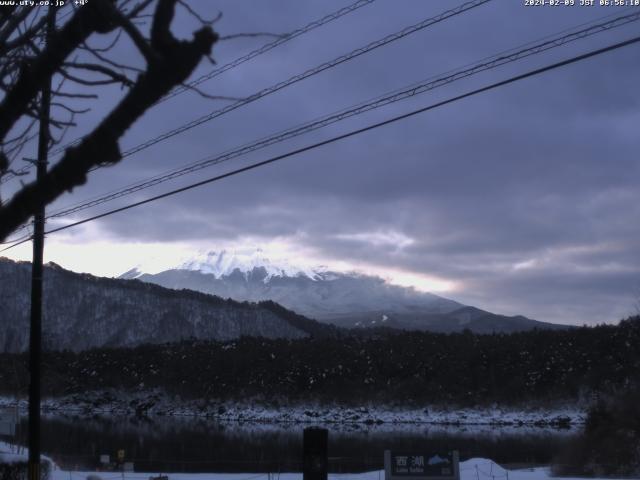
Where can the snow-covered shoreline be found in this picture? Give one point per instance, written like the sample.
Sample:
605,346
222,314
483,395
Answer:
155,404
471,469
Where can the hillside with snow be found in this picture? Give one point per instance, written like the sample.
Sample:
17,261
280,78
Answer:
82,311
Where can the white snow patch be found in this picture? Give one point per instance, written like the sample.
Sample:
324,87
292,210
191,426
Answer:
156,403
16,454
225,262
472,469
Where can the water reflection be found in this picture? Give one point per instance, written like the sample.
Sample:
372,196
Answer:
173,444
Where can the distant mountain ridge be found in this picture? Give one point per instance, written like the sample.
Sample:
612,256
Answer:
82,311
464,318
349,300
224,263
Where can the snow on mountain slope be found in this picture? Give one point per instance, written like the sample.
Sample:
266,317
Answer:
346,299
224,263
313,291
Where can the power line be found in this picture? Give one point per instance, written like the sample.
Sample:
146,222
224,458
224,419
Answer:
292,80
218,71
398,95
507,56
254,53
269,46
308,73
304,75
279,86
352,133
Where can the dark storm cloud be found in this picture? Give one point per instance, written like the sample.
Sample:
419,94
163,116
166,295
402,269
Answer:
527,196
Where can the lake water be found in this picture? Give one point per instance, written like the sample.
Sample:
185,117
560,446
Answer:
198,445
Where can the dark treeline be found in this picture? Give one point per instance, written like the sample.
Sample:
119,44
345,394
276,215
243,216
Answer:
391,367
610,443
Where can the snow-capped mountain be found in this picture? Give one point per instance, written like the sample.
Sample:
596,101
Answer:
312,291
224,263
346,299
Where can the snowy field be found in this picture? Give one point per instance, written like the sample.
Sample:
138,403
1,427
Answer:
472,469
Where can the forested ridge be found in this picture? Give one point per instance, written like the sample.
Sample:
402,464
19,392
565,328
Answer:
386,366
82,311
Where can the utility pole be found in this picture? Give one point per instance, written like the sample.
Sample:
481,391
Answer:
35,336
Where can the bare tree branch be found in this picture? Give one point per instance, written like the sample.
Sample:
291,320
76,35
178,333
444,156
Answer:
69,109
93,17
62,124
19,136
24,37
135,12
18,173
12,24
6,14
93,67
82,81
136,36
173,61
209,96
108,61
76,95
161,37
106,48
197,16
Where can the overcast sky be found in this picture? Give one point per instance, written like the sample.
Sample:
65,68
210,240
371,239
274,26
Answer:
523,200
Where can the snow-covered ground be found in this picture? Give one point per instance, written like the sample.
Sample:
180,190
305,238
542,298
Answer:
152,404
15,454
472,469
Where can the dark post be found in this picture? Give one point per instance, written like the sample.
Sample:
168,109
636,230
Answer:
35,335
316,459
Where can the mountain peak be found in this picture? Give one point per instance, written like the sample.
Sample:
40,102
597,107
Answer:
224,262
343,298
